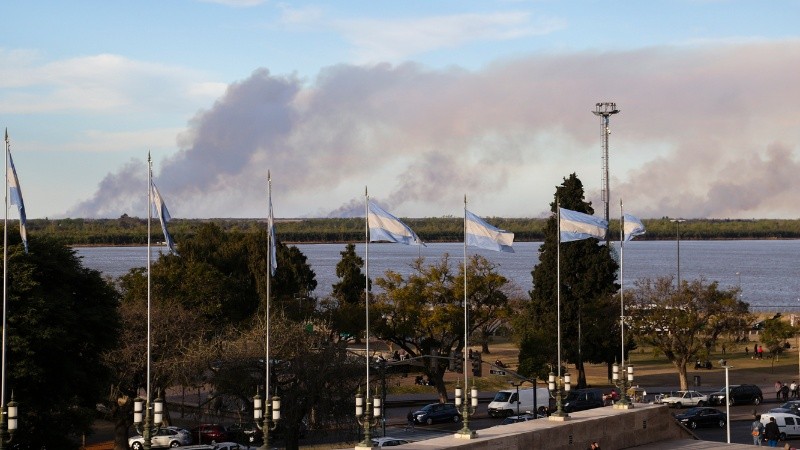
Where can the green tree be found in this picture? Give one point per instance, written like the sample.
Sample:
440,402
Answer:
776,336
423,313
352,281
681,322
588,284
346,310
60,318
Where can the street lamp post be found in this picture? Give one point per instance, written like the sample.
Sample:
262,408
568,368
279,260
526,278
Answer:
265,421
470,405
622,382
8,422
561,386
677,223
728,404
368,416
152,420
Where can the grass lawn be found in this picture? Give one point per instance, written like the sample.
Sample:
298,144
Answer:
651,369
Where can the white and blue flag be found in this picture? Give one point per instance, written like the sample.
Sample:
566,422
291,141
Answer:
163,215
271,224
15,192
386,227
482,235
631,227
575,226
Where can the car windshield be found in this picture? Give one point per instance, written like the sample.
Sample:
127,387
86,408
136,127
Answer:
502,397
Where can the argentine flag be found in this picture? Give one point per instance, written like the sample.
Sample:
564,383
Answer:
163,215
15,192
632,227
482,235
386,227
575,226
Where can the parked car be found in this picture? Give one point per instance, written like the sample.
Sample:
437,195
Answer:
517,419
702,417
162,438
685,398
246,432
740,394
210,433
388,442
582,399
218,446
790,407
437,412
788,424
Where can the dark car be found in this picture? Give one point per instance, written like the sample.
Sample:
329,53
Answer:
210,433
437,412
740,394
516,419
582,399
702,417
246,432
790,407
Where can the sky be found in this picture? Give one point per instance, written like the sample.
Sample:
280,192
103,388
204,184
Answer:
419,102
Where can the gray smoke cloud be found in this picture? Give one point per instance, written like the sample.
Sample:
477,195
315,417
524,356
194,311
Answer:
704,131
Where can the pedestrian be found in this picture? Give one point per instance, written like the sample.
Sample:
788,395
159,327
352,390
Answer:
594,446
760,352
410,419
785,392
772,433
778,387
746,351
757,431
793,389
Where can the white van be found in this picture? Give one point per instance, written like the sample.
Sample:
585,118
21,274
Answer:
789,424
506,403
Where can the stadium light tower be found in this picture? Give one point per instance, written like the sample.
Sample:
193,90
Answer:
605,110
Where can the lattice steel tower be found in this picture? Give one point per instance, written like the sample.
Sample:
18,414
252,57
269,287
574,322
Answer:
605,110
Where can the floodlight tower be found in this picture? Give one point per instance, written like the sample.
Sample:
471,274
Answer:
605,110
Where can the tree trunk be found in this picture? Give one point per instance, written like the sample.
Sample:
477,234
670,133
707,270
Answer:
581,369
682,376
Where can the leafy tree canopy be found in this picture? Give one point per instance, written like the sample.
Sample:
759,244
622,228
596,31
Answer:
61,317
682,322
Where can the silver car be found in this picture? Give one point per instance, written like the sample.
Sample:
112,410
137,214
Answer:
163,438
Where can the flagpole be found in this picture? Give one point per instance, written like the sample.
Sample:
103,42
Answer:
5,283
621,284
149,218
269,281
466,343
366,287
558,285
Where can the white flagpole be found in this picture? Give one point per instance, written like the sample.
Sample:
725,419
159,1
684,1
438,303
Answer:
621,284
558,284
466,334
149,218
366,287
267,399
5,283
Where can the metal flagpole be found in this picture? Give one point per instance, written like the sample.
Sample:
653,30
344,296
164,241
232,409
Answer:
466,343
267,399
366,287
558,284
5,284
148,417
621,283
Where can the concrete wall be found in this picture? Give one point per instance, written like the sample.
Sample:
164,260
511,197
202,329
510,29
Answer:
611,428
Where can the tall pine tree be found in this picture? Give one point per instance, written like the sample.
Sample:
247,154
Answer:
589,308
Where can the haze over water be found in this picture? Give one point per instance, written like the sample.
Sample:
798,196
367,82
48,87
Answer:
767,269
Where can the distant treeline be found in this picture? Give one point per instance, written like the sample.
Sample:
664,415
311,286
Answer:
133,231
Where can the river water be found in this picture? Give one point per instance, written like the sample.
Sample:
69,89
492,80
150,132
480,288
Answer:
766,270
